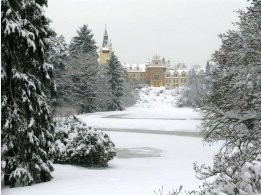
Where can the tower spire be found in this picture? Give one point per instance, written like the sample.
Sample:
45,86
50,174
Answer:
105,38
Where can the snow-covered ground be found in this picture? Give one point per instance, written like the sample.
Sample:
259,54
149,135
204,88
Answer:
155,110
145,160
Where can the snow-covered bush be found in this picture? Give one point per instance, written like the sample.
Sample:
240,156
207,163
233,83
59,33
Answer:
177,191
78,144
237,179
183,99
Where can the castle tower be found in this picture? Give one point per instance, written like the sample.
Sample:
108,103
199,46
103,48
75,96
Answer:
106,49
105,38
155,72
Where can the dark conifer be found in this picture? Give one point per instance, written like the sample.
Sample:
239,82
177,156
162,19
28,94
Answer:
26,122
115,74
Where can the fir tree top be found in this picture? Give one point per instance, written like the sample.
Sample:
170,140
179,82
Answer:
83,42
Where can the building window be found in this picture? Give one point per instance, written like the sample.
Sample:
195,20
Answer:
133,74
156,62
177,81
141,74
155,77
175,75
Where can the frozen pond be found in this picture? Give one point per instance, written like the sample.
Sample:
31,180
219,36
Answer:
139,152
144,163
156,145
161,132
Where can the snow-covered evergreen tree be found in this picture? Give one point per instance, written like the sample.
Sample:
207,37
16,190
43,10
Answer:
58,53
80,77
104,98
130,94
208,80
115,74
81,81
26,122
58,56
208,71
103,86
83,42
232,109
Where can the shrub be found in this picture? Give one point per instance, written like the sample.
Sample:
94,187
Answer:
78,144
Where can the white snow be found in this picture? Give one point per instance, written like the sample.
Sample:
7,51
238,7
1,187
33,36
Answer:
155,110
134,175
144,161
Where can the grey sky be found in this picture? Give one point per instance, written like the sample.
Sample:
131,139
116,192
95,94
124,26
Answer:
179,30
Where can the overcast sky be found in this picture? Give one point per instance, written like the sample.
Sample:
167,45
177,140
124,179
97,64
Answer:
179,30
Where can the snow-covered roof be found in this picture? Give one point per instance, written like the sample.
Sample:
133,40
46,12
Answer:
156,66
105,49
171,72
135,67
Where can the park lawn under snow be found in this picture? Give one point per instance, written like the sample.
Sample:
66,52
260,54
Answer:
144,161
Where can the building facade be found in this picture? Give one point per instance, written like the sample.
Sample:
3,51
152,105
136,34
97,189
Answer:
135,73
176,78
155,72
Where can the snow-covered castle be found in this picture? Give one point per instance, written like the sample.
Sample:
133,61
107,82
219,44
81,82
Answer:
156,72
